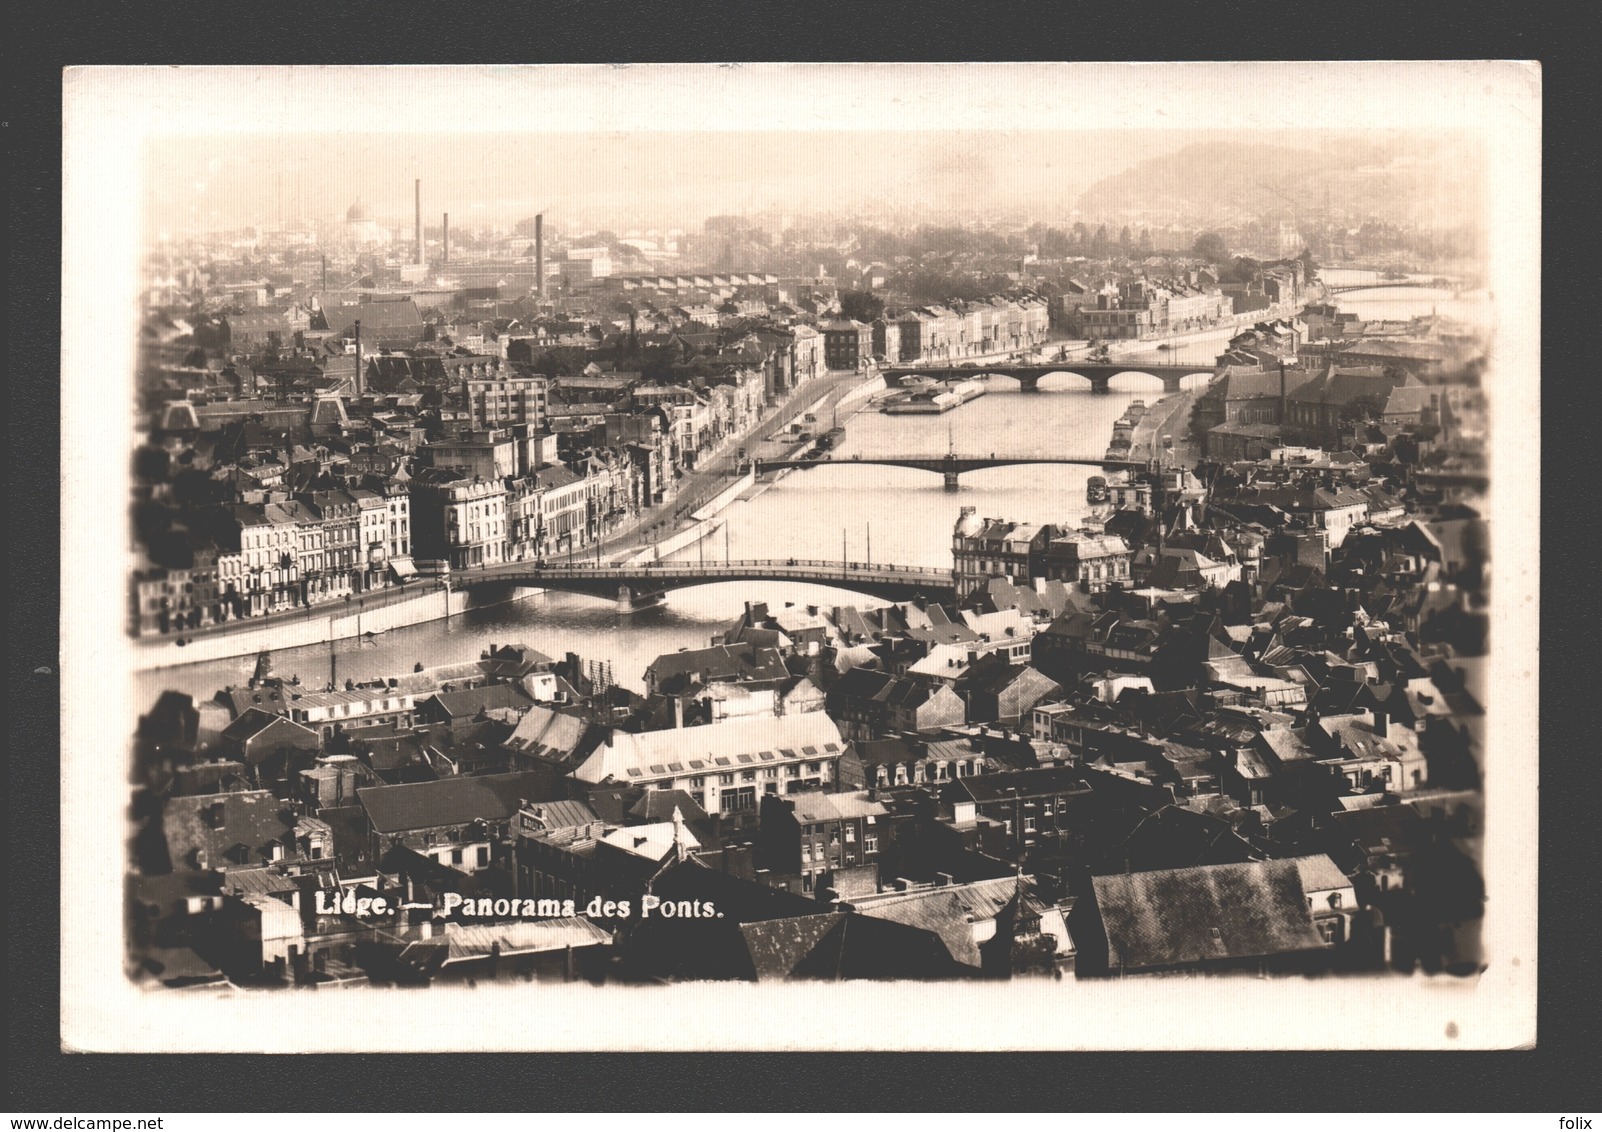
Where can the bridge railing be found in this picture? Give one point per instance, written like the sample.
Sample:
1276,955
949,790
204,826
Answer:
738,566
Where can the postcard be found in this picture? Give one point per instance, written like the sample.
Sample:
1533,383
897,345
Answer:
797,557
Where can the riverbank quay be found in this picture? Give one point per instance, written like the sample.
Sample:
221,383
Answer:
1169,417
419,602
680,520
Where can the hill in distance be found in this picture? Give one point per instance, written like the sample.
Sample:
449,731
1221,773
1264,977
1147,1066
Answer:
1410,180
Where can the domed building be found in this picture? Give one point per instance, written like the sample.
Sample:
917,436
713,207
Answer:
361,230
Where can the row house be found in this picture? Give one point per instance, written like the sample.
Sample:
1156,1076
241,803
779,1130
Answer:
258,569
815,835
689,416
735,402
944,334
847,344
887,340
982,549
339,514
1041,807
373,536
398,519
459,520
915,333
310,537
564,511
612,490
169,599
1095,562
340,710
906,761
809,353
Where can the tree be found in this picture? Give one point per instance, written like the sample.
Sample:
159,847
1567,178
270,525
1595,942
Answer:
864,306
1144,246
1242,269
1099,245
1126,240
1210,246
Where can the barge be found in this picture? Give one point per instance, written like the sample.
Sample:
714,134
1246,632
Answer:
935,399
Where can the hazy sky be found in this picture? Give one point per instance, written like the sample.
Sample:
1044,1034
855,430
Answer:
670,144
647,177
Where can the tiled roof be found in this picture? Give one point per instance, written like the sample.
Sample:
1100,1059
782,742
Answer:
220,824
448,801
563,814
1171,917
627,755
949,912
470,701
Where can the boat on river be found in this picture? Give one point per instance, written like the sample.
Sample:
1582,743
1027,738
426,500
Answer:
935,399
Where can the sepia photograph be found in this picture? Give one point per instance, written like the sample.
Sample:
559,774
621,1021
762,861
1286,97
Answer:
801,556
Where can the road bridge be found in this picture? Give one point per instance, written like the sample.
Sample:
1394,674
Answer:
1427,284
634,585
1099,374
952,465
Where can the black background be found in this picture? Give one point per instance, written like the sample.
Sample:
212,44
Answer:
1560,1075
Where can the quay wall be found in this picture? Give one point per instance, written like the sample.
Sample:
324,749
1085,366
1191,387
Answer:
335,622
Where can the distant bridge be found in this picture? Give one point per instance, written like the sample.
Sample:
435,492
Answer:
636,584
952,465
1099,374
1430,284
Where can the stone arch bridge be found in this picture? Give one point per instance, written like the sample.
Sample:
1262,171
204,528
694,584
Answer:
1099,374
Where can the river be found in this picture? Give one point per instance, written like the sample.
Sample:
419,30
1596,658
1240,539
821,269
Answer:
887,515
906,515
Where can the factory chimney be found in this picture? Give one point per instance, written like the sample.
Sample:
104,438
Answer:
539,255
1283,420
325,275
446,258
357,385
417,189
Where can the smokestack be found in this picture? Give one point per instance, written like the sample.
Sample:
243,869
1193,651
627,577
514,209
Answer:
357,385
1282,406
417,190
539,254
447,238
325,274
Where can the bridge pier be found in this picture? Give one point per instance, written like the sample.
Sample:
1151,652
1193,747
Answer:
1029,383
1101,384
951,481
